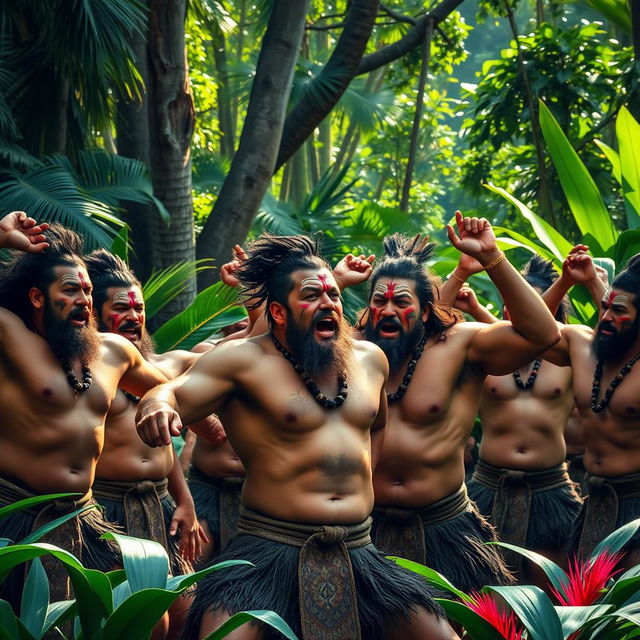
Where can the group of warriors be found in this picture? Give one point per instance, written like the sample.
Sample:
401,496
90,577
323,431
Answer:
317,449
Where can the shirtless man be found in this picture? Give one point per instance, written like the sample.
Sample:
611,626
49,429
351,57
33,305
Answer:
58,377
135,483
437,367
605,384
521,482
305,409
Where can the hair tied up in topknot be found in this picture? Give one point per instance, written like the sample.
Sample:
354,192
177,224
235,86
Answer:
398,246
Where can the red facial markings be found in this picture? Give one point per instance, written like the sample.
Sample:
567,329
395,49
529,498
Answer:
622,322
375,315
117,319
611,297
132,299
391,287
83,282
323,281
408,314
304,305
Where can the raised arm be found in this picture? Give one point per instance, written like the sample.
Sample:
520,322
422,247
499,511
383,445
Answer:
19,231
467,302
353,270
504,347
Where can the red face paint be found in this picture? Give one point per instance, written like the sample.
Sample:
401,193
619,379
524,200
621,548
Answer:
407,315
323,281
375,315
611,297
132,299
304,305
117,319
621,323
83,282
391,287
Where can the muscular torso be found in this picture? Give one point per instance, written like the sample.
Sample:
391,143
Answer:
612,437
125,457
524,429
49,440
422,455
303,463
218,460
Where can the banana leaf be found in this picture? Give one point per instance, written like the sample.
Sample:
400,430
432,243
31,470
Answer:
211,304
584,198
628,132
614,158
627,246
475,626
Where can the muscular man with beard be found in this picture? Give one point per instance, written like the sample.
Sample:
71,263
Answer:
305,409
58,377
437,367
135,483
606,379
521,482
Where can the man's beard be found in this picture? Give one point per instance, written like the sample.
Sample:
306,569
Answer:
396,349
68,342
616,345
144,344
318,358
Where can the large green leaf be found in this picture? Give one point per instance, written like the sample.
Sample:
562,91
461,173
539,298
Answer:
518,240
628,132
615,10
163,286
616,540
574,618
534,609
625,589
178,583
35,599
584,198
58,613
475,626
10,626
145,561
210,304
627,246
50,526
614,158
556,575
432,577
546,234
267,617
20,505
138,614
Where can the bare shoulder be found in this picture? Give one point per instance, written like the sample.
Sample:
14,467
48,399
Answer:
241,355
117,349
10,321
463,332
370,355
174,363
576,333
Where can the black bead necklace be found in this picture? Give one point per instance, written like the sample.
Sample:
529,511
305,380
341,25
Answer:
77,386
411,367
319,397
596,406
532,376
130,396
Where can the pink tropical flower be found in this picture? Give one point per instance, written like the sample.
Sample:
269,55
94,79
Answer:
586,580
504,621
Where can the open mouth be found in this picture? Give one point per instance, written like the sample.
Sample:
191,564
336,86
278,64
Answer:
79,319
387,329
130,333
326,328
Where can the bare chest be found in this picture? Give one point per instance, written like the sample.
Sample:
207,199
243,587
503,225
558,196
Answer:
550,383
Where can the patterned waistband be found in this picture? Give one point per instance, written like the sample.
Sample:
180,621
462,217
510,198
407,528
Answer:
553,478
113,490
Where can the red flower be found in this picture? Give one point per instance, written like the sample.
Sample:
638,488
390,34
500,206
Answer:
506,622
587,580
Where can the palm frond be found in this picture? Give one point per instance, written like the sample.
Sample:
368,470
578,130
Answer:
277,217
213,14
16,157
209,171
212,304
163,286
110,178
368,109
50,194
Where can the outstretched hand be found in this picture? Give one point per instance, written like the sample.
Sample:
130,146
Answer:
191,535
19,231
466,300
229,269
474,236
352,270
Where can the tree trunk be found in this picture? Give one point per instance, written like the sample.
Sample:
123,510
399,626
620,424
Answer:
171,121
132,141
254,162
225,115
333,80
415,131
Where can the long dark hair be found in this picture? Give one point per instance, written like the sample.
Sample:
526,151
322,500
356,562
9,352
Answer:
541,274
629,279
265,275
26,270
404,257
107,270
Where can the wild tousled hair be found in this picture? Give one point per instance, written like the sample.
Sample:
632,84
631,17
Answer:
629,279
107,270
26,270
541,274
404,257
265,275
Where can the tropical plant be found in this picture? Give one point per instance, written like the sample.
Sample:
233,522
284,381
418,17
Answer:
591,606
106,606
